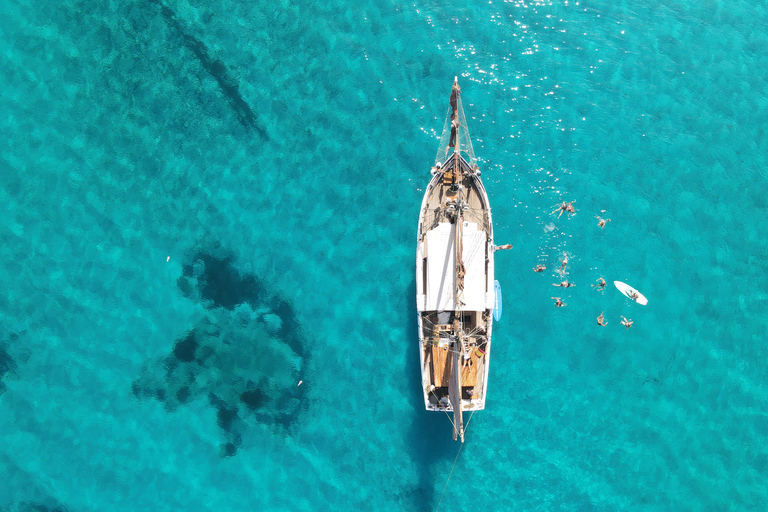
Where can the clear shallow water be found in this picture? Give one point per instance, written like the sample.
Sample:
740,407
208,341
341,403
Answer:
277,155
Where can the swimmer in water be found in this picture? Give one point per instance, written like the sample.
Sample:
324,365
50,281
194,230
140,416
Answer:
565,207
539,268
601,222
565,284
600,284
559,303
626,323
601,320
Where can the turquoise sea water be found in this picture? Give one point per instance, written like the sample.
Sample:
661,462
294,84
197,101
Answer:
204,203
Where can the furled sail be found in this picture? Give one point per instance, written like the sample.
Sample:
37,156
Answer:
455,132
454,393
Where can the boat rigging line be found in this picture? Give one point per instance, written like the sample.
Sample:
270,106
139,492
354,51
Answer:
454,463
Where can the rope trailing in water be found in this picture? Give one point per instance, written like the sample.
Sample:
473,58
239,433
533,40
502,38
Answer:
454,464
469,420
449,477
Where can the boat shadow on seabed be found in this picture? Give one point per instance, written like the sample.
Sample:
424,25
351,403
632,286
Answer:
431,446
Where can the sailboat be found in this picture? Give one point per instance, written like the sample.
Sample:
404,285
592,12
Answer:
455,292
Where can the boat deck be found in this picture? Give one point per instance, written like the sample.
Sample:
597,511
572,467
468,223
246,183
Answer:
442,194
441,328
441,367
455,263
438,358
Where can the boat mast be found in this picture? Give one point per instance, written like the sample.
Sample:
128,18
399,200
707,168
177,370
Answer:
458,348
454,391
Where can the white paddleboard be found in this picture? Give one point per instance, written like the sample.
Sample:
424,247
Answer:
497,302
629,291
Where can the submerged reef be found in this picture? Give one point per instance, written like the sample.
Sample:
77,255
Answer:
7,363
243,357
228,85
215,282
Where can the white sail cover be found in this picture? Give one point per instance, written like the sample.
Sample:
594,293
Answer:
441,268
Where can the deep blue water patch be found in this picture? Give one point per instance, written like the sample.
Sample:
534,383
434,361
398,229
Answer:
243,357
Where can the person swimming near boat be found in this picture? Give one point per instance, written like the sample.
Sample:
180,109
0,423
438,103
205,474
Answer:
559,303
502,247
600,284
539,268
626,323
565,207
601,320
601,222
564,284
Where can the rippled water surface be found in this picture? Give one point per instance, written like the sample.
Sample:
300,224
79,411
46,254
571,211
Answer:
204,204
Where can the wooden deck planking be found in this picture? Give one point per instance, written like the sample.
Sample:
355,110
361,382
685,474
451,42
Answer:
439,196
441,368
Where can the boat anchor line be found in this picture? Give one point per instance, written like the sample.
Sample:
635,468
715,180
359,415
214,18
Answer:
454,464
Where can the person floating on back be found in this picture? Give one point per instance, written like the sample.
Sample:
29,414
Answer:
539,268
626,323
601,222
565,207
601,320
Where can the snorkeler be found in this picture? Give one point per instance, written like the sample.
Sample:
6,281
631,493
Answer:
565,207
601,222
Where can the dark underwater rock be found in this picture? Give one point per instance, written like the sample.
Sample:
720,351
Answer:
233,359
184,350
245,355
228,85
7,363
220,283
